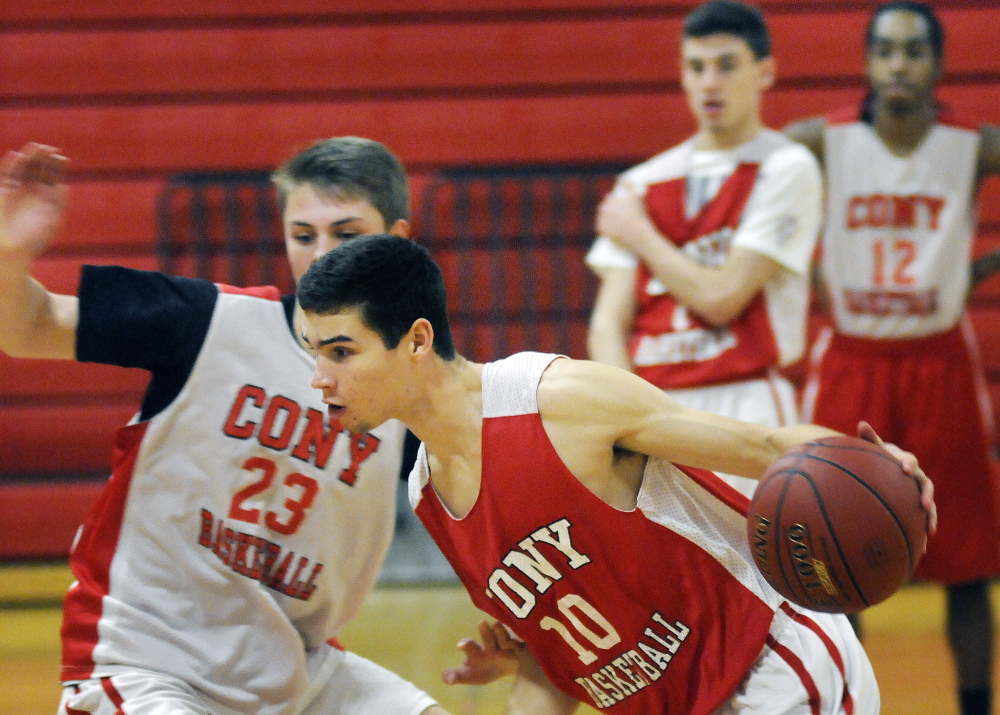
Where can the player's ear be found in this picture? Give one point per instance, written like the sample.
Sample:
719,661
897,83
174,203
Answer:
421,338
401,228
767,69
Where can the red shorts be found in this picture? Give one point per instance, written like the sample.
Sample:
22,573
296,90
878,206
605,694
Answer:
927,395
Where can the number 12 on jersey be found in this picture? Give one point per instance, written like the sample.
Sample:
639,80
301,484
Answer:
891,260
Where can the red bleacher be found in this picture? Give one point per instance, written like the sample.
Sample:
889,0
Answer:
135,92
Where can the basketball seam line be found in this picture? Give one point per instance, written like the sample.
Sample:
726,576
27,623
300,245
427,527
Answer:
862,482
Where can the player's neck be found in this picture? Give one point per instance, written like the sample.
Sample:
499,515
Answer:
722,139
448,419
446,410
902,132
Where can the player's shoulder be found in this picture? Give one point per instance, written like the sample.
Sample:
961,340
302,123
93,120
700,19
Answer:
787,156
510,384
808,132
665,165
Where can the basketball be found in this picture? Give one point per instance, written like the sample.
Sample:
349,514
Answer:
836,525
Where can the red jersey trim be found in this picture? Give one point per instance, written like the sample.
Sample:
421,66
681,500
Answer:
266,292
91,557
847,702
113,695
796,664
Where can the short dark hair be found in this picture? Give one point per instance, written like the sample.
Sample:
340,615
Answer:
730,18
934,28
392,280
349,168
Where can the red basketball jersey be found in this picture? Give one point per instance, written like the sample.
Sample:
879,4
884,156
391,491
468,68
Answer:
654,610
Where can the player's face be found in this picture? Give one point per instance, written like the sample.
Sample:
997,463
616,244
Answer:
902,67
723,82
316,222
357,374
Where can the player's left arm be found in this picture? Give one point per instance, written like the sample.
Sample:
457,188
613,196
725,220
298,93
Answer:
988,164
777,232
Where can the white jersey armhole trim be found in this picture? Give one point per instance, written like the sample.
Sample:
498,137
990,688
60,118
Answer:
510,386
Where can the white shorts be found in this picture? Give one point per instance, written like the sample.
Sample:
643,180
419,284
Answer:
813,664
345,684
768,401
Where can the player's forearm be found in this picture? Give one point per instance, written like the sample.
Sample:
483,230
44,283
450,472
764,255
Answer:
703,291
784,438
755,448
609,345
33,322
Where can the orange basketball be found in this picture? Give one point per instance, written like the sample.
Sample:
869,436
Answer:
836,525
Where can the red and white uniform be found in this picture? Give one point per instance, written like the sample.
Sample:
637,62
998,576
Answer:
240,529
895,256
656,610
764,196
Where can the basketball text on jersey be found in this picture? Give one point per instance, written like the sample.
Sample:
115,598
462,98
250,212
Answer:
628,671
888,211
259,559
692,345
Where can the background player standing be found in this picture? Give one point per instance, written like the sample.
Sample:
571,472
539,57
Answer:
704,249
629,578
223,553
902,174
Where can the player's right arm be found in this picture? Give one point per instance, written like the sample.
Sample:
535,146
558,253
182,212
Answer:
612,317
34,323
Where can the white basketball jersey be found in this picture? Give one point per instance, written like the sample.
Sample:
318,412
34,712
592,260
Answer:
225,559
899,230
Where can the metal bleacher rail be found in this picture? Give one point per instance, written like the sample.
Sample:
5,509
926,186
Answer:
510,241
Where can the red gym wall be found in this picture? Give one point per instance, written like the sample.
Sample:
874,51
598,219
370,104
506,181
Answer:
134,91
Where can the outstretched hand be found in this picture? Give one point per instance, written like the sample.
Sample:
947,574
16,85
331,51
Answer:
497,656
909,462
32,199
